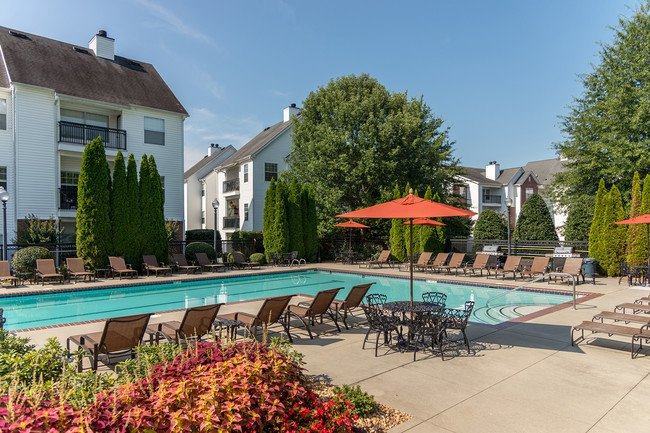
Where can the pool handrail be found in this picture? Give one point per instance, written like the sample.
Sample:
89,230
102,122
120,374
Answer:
573,280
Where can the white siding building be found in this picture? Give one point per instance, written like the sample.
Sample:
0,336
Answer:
55,97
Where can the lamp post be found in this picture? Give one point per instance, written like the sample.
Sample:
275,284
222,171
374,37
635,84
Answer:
4,196
508,205
215,206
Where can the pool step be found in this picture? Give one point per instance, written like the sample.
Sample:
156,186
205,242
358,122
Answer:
503,313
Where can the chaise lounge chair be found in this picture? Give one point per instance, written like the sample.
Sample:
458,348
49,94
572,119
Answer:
182,265
117,266
203,261
421,264
240,261
381,260
511,265
637,334
272,311
352,301
151,265
45,270
573,266
5,273
480,264
77,269
539,267
455,263
320,305
196,323
438,262
120,336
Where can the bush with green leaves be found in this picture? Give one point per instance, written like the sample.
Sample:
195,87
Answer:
199,247
25,259
491,225
38,231
535,222
258,258
363,403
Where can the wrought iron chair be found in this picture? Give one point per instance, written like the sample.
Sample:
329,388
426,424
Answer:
426,324
457,319
436,298
376,299
380,322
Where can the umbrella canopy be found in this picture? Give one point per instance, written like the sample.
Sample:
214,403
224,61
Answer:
642,219
409,207
423,222
352,224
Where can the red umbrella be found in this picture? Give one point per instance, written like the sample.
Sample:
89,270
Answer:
423,222
350,225
643,219
409,207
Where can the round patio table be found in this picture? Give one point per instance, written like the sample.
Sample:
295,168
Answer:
406,307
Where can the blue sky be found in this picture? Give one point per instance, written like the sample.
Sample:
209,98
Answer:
499,72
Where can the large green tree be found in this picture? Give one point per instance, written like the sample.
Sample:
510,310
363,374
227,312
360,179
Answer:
311,228
535,221
354,138
119,207
397,244
93,200
159,242
280,219
579,219
607,127
613,235
595,231
269,218
296,241
636,247
133,250
490,225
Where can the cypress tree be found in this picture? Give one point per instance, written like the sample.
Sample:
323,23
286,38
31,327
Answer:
295,219
579,218
269,216
159,232
406,231
535,221
119,207
428,233
597,224
439,231
147,212
281,220
645,197
93,201
133,249
397,245
312,226
636,247
613,236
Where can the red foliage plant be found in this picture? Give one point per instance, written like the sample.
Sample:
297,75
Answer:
210,388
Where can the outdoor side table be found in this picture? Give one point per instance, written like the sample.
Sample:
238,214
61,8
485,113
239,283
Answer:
24,276
231,326
102,273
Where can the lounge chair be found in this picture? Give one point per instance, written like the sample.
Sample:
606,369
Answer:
117,266
240,262
421,264
320,305
636,333
196,323
151,265
45,270
203,261
352,301
620,317
77,269
480,264
511,265
5,273
439,261
182,265
572,266
120,335
635,307
383,258
539,267
272,311
455,263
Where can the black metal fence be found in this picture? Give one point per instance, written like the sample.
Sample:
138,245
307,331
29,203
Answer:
519,247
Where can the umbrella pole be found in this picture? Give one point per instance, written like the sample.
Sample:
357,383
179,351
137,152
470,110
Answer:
411,258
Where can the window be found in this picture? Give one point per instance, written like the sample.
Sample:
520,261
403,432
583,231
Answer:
90,119
68,190
529,192
245,173
245,211
3,114
162,185
3,177
270,171
69,178
154,131
202,219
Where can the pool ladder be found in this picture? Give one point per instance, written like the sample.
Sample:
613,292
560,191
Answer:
573,280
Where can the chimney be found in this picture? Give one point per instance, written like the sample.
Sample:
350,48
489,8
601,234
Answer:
213,148
492,170
291,110
103,46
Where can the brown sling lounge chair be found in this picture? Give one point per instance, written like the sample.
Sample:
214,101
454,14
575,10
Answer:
511,265
438,262
203,261
272,311
539,267
151,265
77,269
480,264
381,260
182,265
118,267
455,263
120,336
573,266
421,264
320,305
638,334
240,261
5,273
196,323
45,270
352,301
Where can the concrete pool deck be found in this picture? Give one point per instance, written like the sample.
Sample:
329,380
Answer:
520,378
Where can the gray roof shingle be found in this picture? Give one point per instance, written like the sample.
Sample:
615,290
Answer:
205,161
257,143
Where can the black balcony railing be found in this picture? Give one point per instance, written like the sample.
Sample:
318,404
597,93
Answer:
68,197
231,185
492,199
231,222
79,133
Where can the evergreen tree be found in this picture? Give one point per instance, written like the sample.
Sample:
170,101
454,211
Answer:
160,244
645,197
491,225
397,245
428,232
93,211
281,219
579,218
613,235
133,249
636,247
406,231
597,225
439,231
535,221
312,227
295,219
269,217
147,211
119,207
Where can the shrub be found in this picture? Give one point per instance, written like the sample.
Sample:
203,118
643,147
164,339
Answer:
258,258
25,259
38,231
535,221
199,247
363,404
491,225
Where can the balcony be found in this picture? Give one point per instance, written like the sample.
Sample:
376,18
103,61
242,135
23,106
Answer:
68,197
492,199
231,185
231,222
79,133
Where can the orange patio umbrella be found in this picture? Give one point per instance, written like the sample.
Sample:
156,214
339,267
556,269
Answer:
423,222
409,207
643,219
351,225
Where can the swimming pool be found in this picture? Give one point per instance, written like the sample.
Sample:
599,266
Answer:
47,309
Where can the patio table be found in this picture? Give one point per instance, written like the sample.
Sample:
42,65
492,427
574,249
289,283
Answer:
409,314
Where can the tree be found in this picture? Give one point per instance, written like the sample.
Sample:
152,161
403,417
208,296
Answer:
636,242
428,232
280,220
607,126
147,210
535,221
93,206
397,244
597,224
490,225
439,231
311,247
295,218
269,218
133,249
613,235
159,243
579,219
119,207
354,138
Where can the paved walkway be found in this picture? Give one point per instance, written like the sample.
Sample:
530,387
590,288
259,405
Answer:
523,378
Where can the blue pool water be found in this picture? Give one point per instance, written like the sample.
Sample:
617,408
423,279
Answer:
46,309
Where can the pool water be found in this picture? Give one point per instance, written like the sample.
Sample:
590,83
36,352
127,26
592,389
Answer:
46,309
